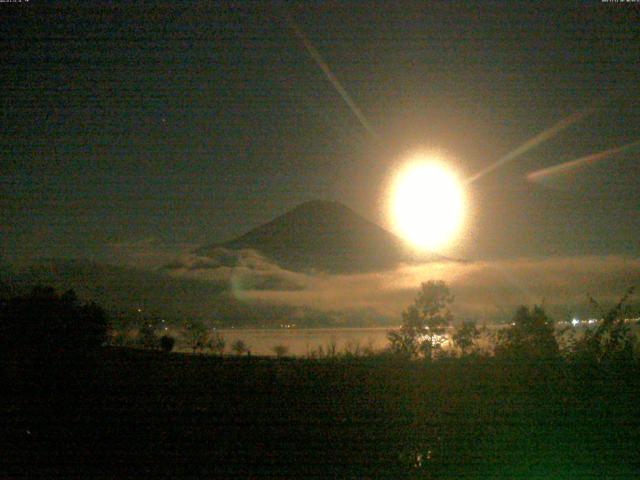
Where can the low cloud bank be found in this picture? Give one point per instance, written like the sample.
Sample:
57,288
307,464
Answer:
243,288
483,290
242,270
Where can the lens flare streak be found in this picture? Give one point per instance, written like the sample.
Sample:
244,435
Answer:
315,55
579,162
534,142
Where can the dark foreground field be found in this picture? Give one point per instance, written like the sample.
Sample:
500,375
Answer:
134,413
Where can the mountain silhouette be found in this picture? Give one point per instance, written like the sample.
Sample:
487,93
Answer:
325,236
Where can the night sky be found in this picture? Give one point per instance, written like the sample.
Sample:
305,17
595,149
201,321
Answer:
170,125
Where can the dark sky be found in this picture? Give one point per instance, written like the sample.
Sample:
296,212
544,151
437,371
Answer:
179,123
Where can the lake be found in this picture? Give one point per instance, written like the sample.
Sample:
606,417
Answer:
302,341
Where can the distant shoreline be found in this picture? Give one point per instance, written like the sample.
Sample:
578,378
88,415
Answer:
306,329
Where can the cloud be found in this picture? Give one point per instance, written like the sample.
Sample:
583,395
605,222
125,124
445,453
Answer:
241,270
483,290
245,287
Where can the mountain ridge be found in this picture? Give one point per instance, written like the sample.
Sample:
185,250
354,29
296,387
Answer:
327,236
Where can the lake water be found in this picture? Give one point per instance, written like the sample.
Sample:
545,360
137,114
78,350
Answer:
301,342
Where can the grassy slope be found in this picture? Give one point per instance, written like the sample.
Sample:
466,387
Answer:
134,412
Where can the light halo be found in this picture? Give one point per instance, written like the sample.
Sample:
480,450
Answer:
426,203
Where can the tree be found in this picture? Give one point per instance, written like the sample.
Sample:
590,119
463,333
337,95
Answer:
148,336
531,336
240,347
280,350
425,322
43,323
466,337
197,335
217,343
612,340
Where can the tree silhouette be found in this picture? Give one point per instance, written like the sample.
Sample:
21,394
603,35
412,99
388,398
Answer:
612,340
240,347
148,336
424,323
531,336
280,350
45,323
466,337
197,335
217,343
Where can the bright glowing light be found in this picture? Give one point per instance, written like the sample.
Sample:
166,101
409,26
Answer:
427,205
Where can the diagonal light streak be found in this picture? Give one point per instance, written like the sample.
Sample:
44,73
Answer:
534,142
579,162
315,55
